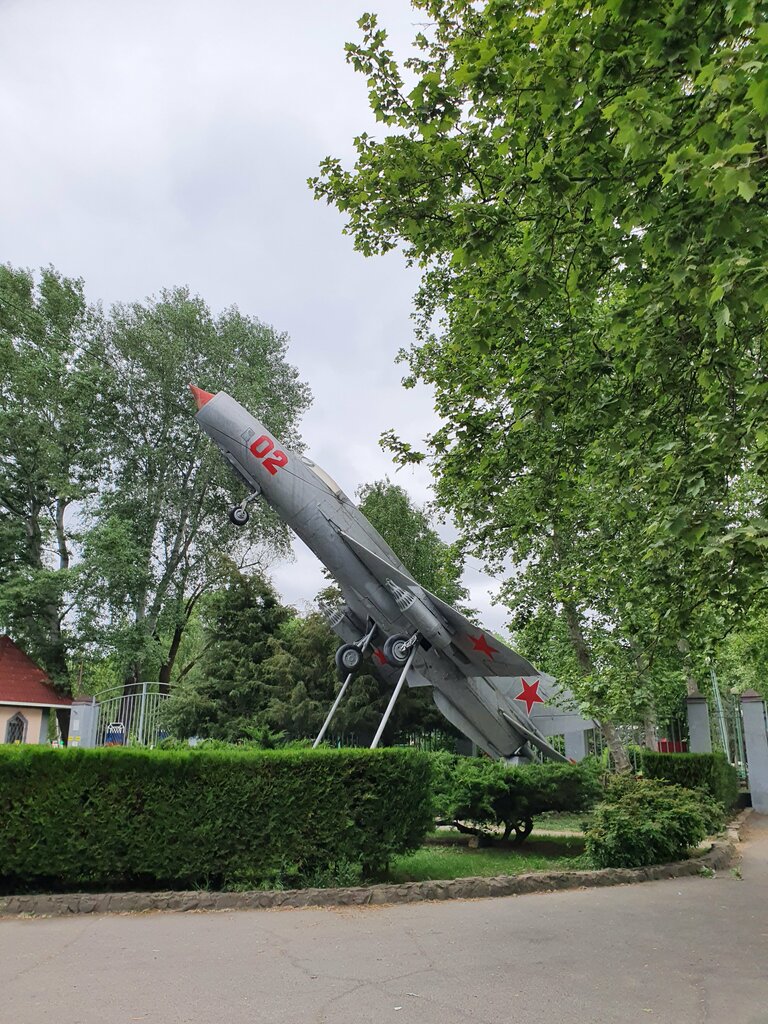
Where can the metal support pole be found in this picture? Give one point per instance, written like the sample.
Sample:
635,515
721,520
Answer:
721,714
332,712
393,698
363,647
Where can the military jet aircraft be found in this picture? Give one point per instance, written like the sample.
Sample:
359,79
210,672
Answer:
486,690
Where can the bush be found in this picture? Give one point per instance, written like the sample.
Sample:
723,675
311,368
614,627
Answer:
222,818
646,821
710,772
491,793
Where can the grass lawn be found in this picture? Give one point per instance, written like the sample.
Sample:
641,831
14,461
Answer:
443,862
568,821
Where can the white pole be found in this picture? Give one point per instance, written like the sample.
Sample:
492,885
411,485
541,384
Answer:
720,714
363,647
143,699
332,712
393,698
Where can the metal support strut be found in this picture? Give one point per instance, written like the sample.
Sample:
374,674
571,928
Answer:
332,712
396,693
363,645
249,499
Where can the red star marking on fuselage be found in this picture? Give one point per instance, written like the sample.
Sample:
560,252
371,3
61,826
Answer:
530,694
380,657
481,644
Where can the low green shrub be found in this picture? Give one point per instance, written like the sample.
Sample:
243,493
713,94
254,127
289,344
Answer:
221,818
647,821
491,793
711,772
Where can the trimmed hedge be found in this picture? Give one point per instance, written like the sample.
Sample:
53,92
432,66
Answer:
649,821
493,793
710,772
107,818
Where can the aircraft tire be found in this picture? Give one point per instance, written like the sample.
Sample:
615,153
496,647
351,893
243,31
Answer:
238,516
348,659
394,650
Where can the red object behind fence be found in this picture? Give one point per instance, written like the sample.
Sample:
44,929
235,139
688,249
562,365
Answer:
673,746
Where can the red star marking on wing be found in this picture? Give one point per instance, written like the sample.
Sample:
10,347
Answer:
379,656
481,644
529,694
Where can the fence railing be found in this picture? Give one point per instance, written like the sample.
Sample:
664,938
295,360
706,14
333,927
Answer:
130,715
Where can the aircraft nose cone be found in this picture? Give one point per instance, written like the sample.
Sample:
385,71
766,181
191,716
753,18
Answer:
201,397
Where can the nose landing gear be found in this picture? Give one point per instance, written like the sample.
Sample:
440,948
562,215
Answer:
239,515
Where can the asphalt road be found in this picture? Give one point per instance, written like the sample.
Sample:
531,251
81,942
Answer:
686,951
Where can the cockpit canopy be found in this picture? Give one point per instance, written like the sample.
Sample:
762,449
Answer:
325,477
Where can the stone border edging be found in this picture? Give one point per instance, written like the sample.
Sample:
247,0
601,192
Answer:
719,856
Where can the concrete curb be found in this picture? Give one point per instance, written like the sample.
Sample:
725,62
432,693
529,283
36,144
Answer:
719,857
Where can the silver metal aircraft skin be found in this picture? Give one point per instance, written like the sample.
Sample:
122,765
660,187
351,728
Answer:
486,690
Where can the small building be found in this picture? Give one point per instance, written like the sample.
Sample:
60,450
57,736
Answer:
27,697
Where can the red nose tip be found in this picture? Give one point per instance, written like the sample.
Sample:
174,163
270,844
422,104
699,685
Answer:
201,397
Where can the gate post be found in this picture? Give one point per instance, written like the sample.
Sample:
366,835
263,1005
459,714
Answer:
699,736
756,742
83,722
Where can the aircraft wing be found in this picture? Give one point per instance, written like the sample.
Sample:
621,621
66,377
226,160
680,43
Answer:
478,652
533,737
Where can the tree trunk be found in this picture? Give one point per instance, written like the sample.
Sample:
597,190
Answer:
691,686
167,668
650,733
49,612
584,659
61,536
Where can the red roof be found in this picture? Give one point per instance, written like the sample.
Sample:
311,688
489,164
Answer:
24,682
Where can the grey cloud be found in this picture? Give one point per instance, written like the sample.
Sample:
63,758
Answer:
152,144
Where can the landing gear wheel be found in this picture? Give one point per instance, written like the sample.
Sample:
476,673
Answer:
396,650
238,516
348,659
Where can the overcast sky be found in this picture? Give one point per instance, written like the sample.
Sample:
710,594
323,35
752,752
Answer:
152,144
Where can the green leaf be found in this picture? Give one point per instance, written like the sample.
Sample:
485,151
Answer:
747,188
758,93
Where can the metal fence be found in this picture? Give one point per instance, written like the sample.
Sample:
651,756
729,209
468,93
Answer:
727,729
130,715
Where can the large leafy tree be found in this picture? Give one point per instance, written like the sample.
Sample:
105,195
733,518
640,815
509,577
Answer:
55,436
585,192
159,535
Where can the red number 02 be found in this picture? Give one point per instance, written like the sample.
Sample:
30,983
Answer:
261,448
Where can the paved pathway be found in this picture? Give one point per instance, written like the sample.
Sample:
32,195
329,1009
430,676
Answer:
687,951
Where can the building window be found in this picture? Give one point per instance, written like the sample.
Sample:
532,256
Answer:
16,729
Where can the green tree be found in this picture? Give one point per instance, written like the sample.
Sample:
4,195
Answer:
300,681
223,695
585,192
159,536
54,436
